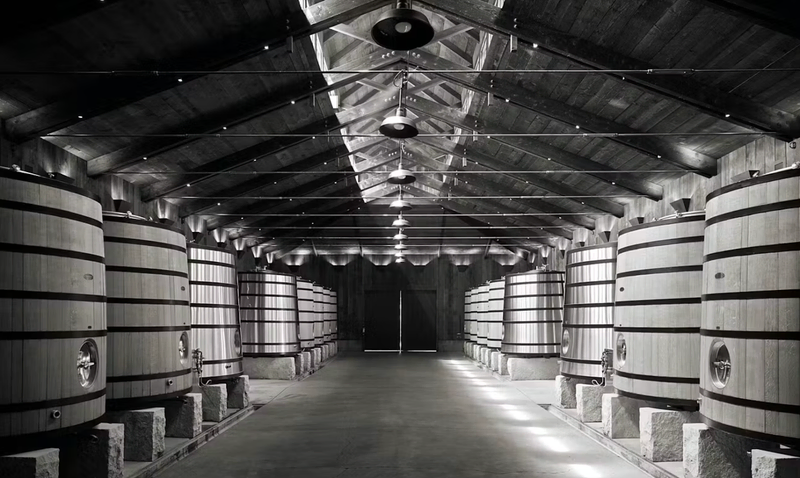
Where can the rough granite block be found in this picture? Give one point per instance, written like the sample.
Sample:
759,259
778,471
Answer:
215,402
184,416
239,391
306,361
661,432
589,400
565,392
495,361
94,453
33,464
299,364
532,368
710,453
503,365
620,416
275,368
317,357
144,432
768,464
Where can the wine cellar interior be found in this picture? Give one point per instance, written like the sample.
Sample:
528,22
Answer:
429,238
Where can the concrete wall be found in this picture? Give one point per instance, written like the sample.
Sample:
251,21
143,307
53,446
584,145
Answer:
351,280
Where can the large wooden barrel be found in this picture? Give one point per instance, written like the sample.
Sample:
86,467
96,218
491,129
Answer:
268,304
750,330
149,322
215,311
52,309
494,314
319,312
657,310
481,311
532,313
326,324
467,318
473,315
334,315
306,313
588,310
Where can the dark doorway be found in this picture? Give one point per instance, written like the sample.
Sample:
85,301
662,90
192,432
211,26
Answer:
419,321
382,321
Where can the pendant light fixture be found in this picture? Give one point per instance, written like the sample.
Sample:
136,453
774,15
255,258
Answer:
400,246
400,126
402,28
400,221
400,236
400,175
400,260
400,204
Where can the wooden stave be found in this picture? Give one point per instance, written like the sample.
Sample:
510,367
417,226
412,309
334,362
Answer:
482,311
473,323
659,317
164,256
215,327
271,312
467,298
760,399
36,313
588,310
334,316
494,314
306,312
548,301
319,310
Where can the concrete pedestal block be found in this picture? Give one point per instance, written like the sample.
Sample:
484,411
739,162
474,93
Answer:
300,364
532,368
710,453
589,400
661,432
94,453
275,368
768,464
495,361
215,402
484,352
317,360
326,352
565,392
502,364
144,432
33,464
184,416
471,350
239,391
621,416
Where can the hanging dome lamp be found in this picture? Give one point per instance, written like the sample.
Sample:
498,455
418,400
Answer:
400,126
400,175
402,28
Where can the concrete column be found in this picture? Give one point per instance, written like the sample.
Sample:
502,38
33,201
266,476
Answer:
239,391
33,464
767,464
215,402
184,416
144,432
532,368
94,453
589,400
620,416
710,453
661,433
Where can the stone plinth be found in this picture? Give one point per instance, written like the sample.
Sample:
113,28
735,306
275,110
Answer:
239,392
710,453
589,400
33,464
94,453
215,402
495,361
661,433
620,416
532,368
184,416
768,464
144,432
274,368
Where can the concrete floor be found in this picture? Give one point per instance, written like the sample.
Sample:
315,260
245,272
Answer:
416,416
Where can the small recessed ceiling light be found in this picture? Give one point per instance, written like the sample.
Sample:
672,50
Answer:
292,101
224,127
180,80
613,182
577,126
188,185
219,204
80,117
145,158
727,115
507,100
266,47
659,156
536,45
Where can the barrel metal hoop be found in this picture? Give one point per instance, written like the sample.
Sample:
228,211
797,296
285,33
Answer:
196,305
750,211
221,361
41,295
588,326
749,433
513,322
132,402
591,263
754,295
751,251
677,301
656,378
658,330
50,211
147,270
269,321
50,251
153,328
751,334
665,222
212,263
134,301
531,345
531,308
662,243
743,402
144,242
583,361
789,173
58,402
52,334
659,270
214,326
607,245
691,405
149,376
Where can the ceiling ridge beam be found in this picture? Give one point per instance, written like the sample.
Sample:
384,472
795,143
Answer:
534,147
218,54
743,112
568,115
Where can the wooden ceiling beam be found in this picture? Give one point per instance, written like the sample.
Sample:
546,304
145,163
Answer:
708,99
498,164
537,148
232,116
776,15
108,94
568,115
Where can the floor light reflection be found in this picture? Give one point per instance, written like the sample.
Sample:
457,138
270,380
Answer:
586,471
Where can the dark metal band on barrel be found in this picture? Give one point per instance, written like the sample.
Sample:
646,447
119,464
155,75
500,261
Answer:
591,263
52,334
50,211
743,402
789,173
749,433
655,378
55,403
39,295
659,330
751,211
212,284
129,403
665,222
151,328
754,295
50,251
661,243
588,326
147,376
214,306
639,303
583,361
143,242
132,301
589,248
212,263
751,251
146,270
221,361
751,334
660,270
676,402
